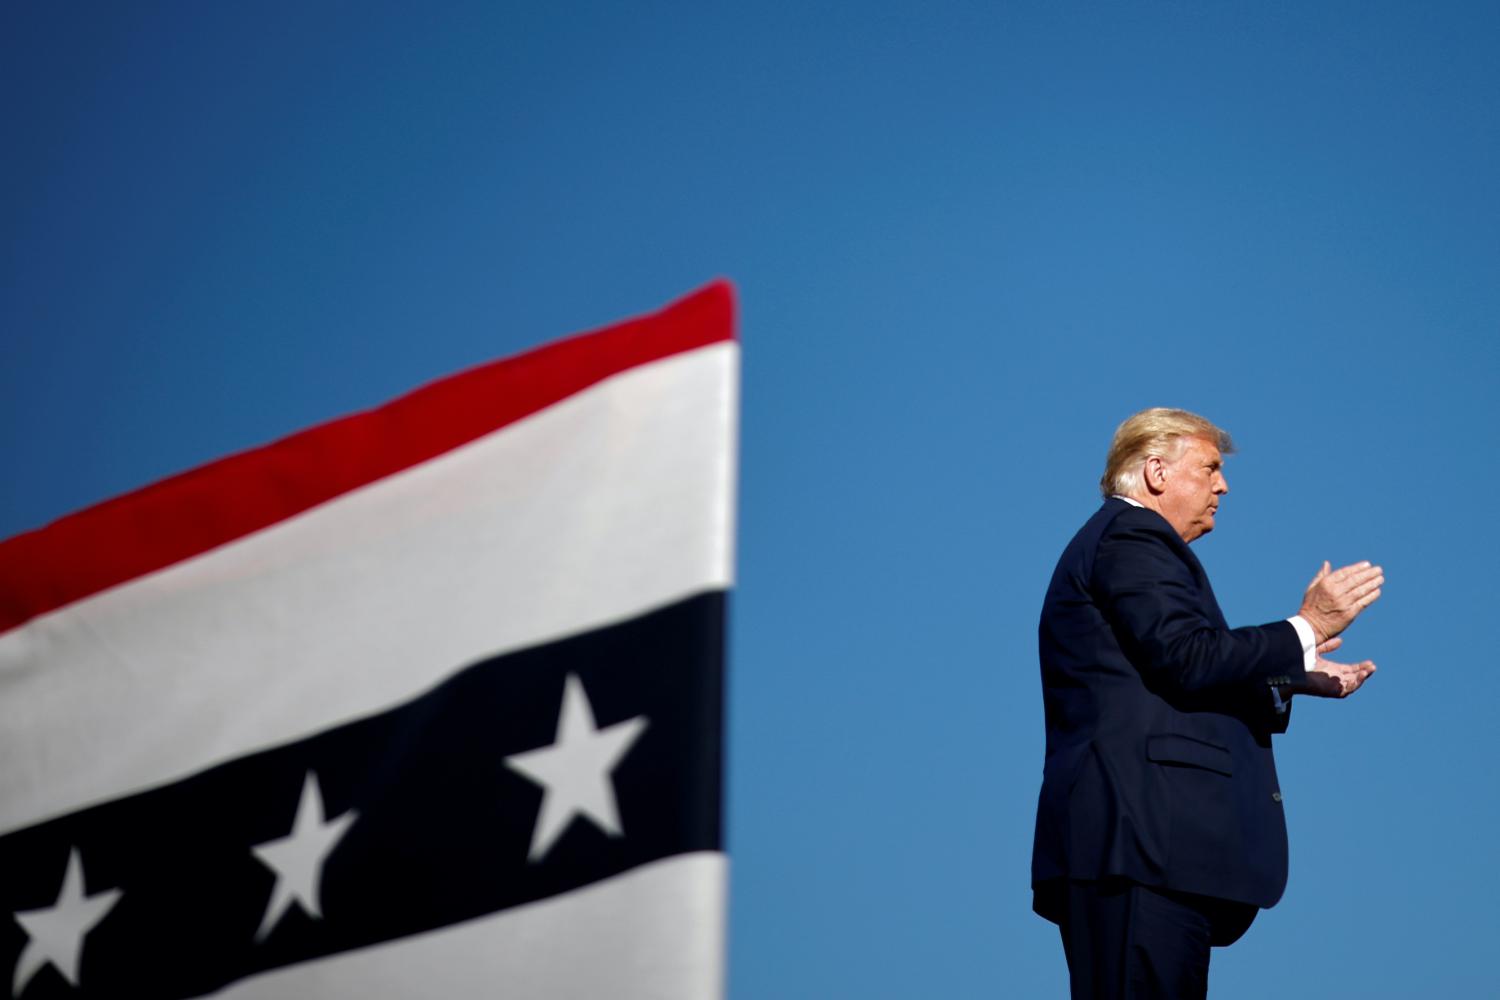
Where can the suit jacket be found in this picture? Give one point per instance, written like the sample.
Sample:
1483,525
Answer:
1159,721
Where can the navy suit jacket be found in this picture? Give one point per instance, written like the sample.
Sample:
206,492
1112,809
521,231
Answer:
1159,721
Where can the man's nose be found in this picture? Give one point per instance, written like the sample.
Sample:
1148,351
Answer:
1222,485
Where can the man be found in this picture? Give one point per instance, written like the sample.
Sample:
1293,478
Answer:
1159,828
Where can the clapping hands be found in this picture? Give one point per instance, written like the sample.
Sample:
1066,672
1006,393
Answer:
1333,600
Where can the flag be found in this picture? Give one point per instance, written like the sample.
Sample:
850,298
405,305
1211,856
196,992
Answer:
424,701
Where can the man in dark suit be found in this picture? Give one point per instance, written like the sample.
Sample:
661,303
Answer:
1159,828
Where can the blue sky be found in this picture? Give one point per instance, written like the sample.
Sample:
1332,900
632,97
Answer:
968,240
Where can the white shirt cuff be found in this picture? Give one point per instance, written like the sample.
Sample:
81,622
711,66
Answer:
1309,642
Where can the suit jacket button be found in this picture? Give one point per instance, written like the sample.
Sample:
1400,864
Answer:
1275,796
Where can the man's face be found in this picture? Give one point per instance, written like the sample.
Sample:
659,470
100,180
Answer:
1192,487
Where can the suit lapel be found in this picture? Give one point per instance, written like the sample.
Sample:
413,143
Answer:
1210,601
1200,576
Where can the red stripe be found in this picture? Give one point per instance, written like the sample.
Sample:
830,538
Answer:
188,514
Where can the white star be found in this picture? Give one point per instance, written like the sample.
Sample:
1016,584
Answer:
575,770
56,933
298,858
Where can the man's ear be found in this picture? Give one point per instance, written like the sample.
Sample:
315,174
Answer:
1155,474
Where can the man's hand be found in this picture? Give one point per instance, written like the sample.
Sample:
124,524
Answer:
1336,597
1336,680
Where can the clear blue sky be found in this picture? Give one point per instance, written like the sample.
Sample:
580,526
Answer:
969,238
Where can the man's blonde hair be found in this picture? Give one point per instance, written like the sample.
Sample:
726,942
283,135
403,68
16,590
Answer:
1157,431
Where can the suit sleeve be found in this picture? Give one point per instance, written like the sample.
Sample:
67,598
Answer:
1170,630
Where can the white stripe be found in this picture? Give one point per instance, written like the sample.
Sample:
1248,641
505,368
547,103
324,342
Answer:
614,501
654,933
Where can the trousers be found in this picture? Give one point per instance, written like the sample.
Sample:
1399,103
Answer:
1125,941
